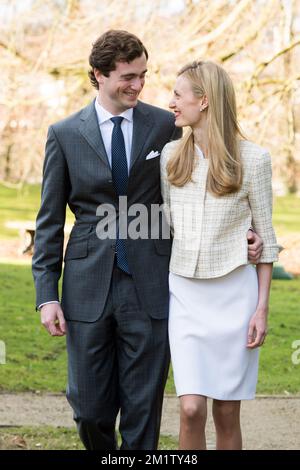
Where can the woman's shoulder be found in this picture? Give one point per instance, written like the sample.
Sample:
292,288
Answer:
169,149
251,149
253,154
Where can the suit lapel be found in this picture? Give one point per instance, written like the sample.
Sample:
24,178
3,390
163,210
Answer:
89,129
142,123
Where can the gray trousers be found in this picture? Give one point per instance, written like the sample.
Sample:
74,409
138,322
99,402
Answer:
118,363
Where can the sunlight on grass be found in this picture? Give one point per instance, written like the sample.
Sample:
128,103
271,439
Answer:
20,205
54,438
23,205
36,361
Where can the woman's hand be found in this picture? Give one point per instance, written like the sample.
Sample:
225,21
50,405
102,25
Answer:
257,328
255,246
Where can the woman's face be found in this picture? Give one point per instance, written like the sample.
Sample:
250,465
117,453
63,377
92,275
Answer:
185,104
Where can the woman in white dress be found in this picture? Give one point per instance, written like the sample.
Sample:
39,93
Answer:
215,185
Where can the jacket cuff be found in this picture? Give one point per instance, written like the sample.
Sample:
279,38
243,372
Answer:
269,254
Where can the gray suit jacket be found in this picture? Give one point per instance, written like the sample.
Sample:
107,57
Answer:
76,172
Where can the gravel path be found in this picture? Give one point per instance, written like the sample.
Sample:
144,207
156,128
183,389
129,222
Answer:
269,422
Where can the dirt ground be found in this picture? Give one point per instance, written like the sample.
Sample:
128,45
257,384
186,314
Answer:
269,422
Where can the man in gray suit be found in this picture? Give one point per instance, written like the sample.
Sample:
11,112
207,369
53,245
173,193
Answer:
114,304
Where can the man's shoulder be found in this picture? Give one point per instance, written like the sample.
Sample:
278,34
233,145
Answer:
71,121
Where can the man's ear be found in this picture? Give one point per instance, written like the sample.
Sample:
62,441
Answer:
99,76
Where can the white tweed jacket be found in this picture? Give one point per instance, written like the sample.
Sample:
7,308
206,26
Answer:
210,233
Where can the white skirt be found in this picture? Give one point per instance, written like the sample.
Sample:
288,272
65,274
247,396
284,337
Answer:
208,328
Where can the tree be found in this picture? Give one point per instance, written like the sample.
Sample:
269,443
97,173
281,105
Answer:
44,51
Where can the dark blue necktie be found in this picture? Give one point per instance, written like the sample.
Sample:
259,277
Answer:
120,178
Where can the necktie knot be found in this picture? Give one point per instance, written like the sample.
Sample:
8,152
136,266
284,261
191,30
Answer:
117,120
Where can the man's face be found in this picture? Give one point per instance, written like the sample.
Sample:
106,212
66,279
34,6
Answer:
120,91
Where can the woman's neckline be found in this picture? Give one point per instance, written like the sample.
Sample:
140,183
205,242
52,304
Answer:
199,152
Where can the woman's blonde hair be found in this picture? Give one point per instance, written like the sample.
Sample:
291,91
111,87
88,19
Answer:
225,168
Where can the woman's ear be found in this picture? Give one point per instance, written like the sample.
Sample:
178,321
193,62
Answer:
203,103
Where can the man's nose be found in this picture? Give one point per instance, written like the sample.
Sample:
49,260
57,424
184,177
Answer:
172,103
137,84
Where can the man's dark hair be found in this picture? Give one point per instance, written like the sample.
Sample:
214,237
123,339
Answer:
114,46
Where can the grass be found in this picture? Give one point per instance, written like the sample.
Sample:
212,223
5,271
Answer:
277,373
36,361
53,438
23,205
286,215
19,205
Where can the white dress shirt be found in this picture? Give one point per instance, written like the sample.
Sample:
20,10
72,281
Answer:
199,152
106,127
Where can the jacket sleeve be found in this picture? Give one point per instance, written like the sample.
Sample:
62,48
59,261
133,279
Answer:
260,199
49,236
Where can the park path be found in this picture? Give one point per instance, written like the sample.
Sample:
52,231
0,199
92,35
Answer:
269,422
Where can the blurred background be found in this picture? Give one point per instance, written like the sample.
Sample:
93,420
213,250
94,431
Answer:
44,49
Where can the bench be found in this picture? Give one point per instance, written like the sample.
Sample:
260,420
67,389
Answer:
27,233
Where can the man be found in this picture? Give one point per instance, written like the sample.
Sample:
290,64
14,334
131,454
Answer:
115,292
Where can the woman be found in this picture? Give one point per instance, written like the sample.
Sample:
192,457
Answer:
215,185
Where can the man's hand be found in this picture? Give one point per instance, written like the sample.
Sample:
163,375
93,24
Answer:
52,317
255,247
